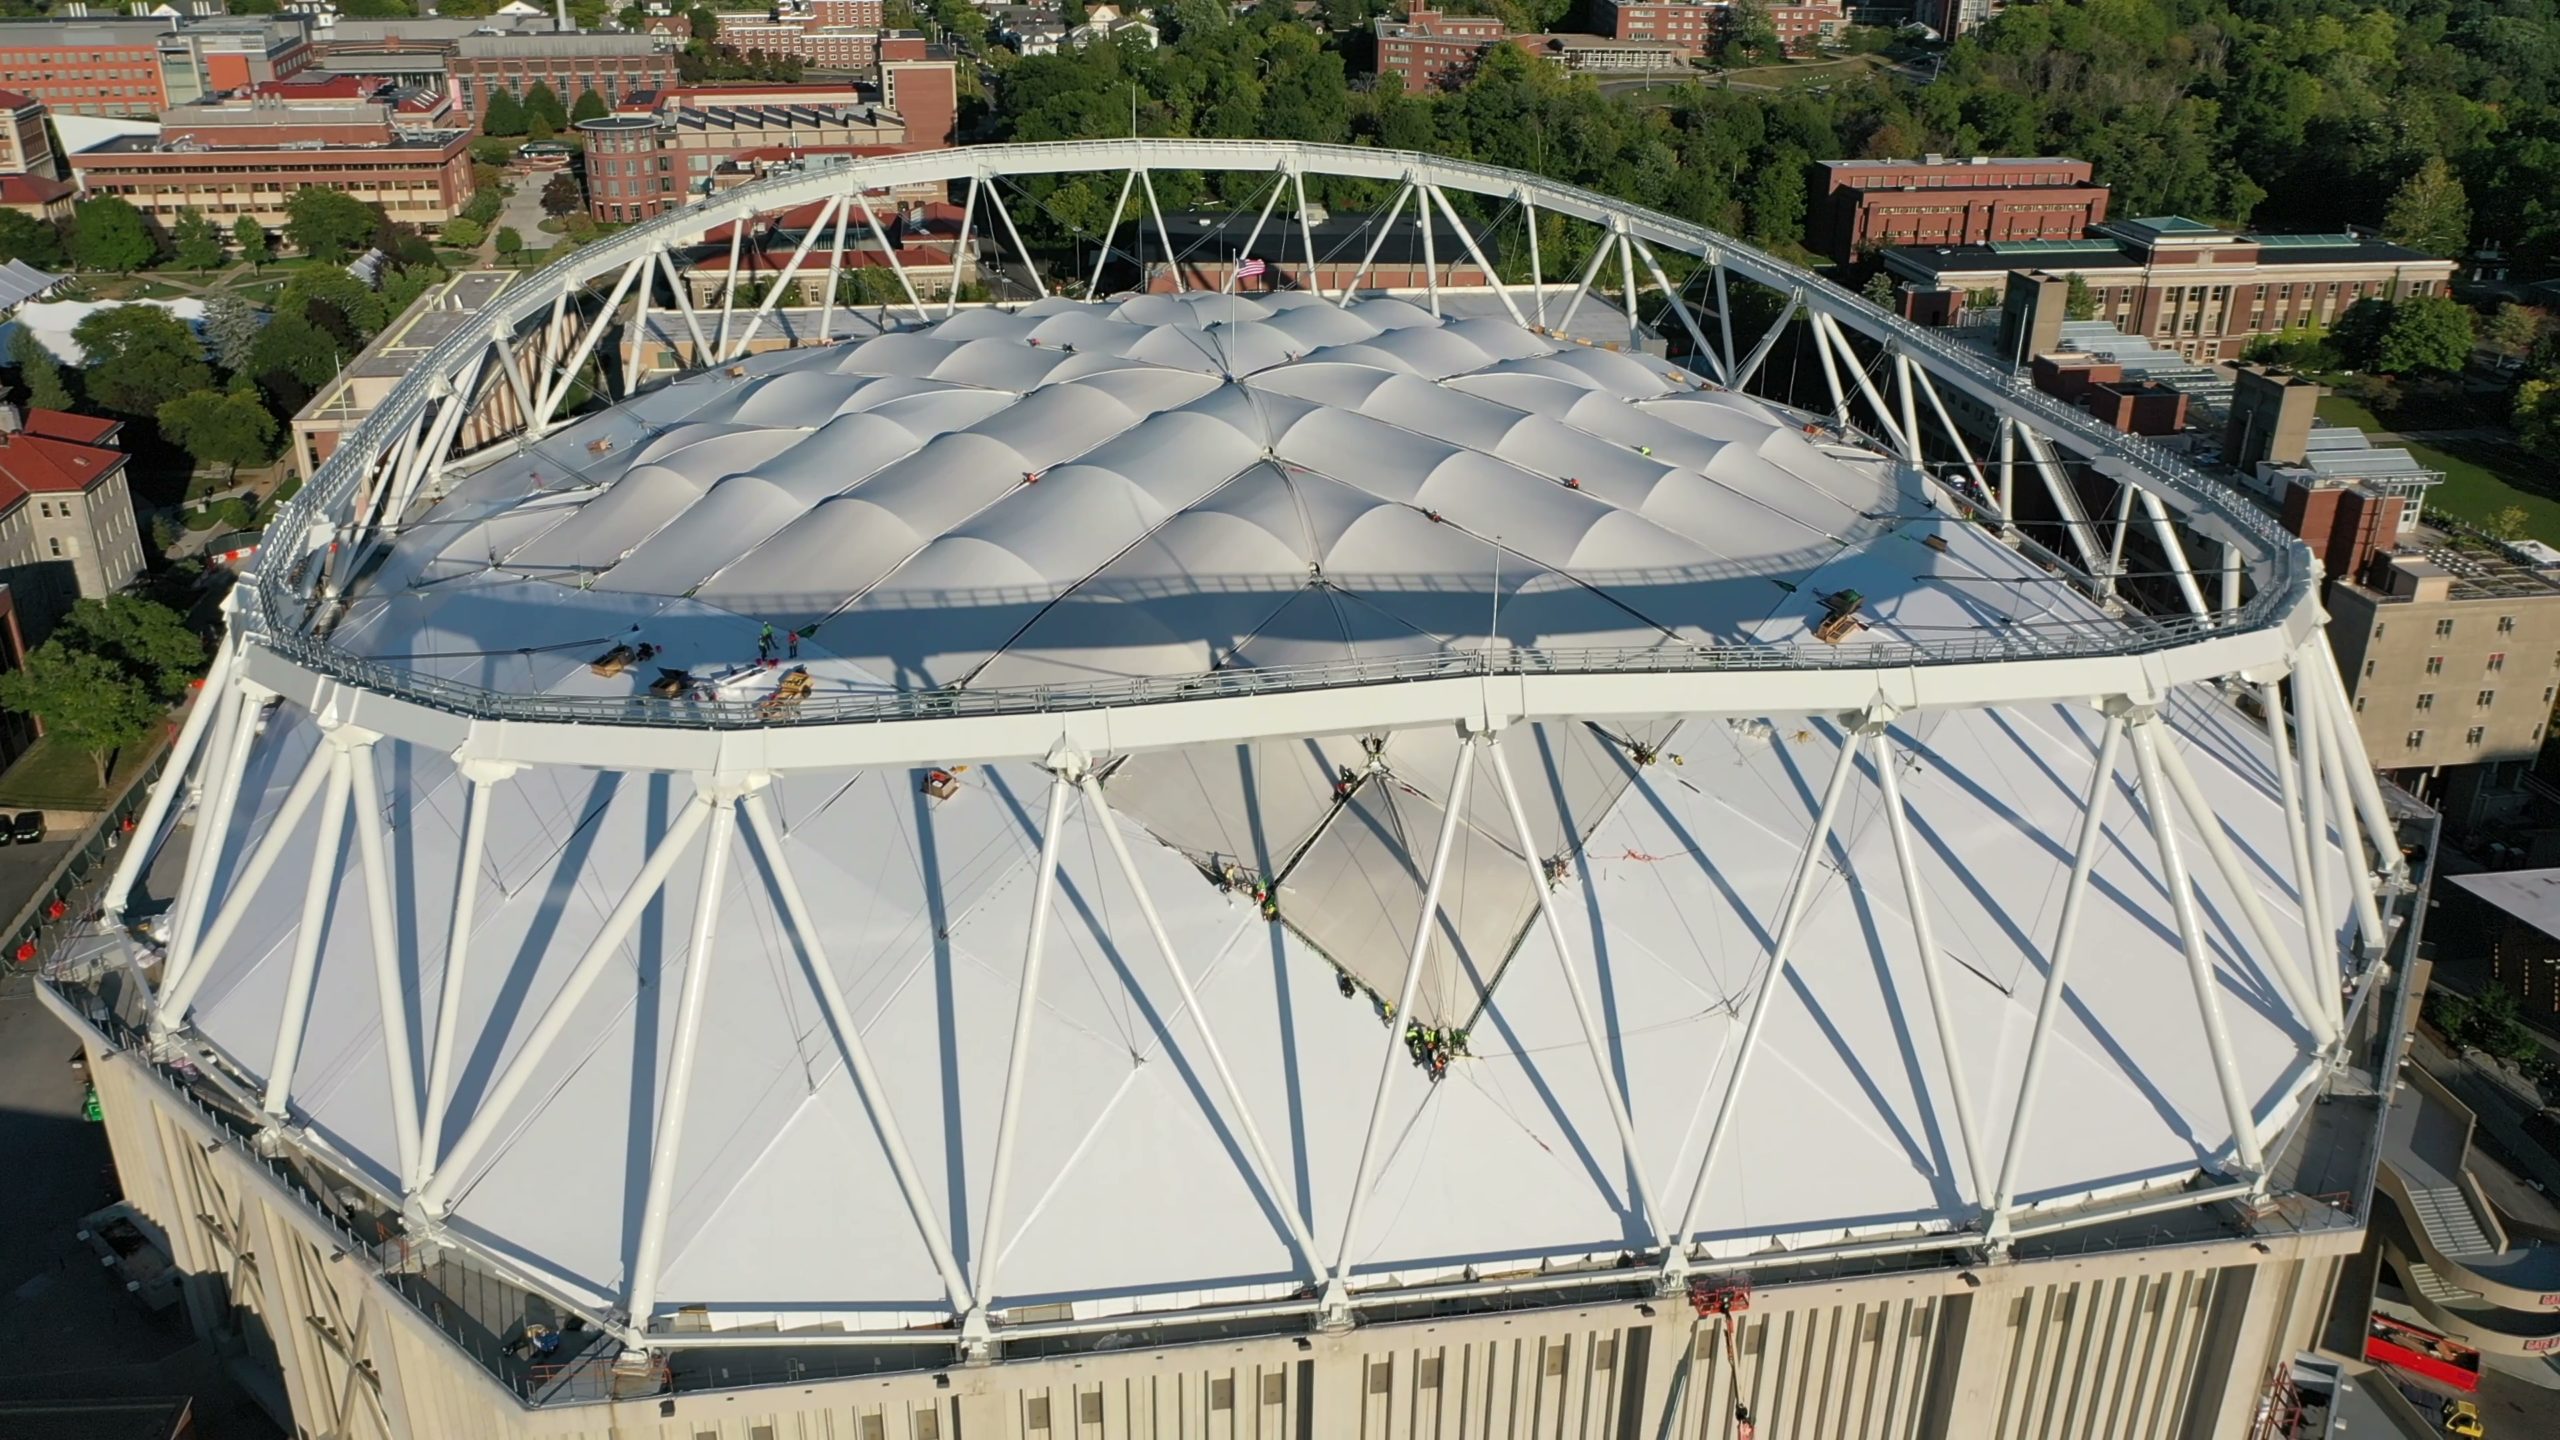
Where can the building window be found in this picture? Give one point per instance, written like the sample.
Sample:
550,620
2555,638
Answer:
2359,704
2506,624
2497,661
2368,669
2435,664
55,545
2444,627
2417,738
2426,699
2474,735
2487,699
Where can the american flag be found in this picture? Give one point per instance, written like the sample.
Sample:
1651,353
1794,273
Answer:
1249,270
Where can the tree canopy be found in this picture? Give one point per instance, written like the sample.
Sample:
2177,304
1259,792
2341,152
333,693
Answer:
251,237
23,237
2426,333
87,702
503,115
38,371
329,225
144,638
107,233
140,357
221,427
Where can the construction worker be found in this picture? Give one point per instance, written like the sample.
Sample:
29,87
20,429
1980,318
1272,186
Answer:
764,643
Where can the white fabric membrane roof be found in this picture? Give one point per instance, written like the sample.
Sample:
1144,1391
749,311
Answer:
1183,519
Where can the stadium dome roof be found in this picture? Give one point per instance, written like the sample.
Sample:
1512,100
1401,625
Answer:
1164,486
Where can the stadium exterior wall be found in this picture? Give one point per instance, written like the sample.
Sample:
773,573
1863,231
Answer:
2159,1343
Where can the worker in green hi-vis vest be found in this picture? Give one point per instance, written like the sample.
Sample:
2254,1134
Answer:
89,1110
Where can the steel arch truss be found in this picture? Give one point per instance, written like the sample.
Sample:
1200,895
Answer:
508,378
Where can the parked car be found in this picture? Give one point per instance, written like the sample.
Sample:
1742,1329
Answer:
27,828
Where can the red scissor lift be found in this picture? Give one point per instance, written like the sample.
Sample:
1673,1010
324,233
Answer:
1726,1296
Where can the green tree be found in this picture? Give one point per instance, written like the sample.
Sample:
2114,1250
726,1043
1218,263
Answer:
2426,333
1881,292
508,241
24,237
1754,34
504,115
87,702
2429,211
2357,336
464,232
195,243
337,302
146,639
251,237
107,233
221,427
231,326
140,357
38,371
1776,199
330,225
543,103
590,106
2512,522
2537,417
560,196
2515,328
539,129
2079,302
291,347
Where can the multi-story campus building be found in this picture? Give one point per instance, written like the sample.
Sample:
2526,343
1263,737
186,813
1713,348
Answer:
613,66
67,524
1702,26
2202,291
143,65
642,163
250,157
25,148
1862,206
1431,51
828,34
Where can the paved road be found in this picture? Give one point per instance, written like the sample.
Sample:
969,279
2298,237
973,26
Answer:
524,211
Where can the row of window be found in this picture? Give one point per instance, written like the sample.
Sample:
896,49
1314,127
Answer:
2444,630
2474,736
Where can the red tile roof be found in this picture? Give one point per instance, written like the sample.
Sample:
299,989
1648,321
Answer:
13,100
24,189
43,459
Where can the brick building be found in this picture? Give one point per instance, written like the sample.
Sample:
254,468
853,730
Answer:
67,524
646,163
828,34
613,66
86,67
2201,291
25,148
249,158
1701,27
1432,51
1862,206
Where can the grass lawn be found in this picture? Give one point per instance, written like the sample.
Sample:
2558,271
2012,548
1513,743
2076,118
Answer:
2480,479
57,777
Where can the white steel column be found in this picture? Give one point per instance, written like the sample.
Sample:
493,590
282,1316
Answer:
835,267
1909,445
2342,813
1830,368
2159,808
2300,991
684,307
306,940
2307,721
1724,314
1264,1170
728,291
2331,687
226,766
2008,448
2231,570
1030,267
1093,288
789,277
1627,285
2075,516
527,403
2075,895
1173,262
1386,227
2318,938
558,389
1253,237
2167,535
857,1055
890,252
968,219
197,962
1306,230
1537,265
1688,321
212,694
483,781
1902,368
635,349
1919,374
1337,1300
668,1148
435,1192
2115,547
1650,1198
1760,352
365,802
1475,252
1423,221
1026,1010
1915,896
1590,276
1790,913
